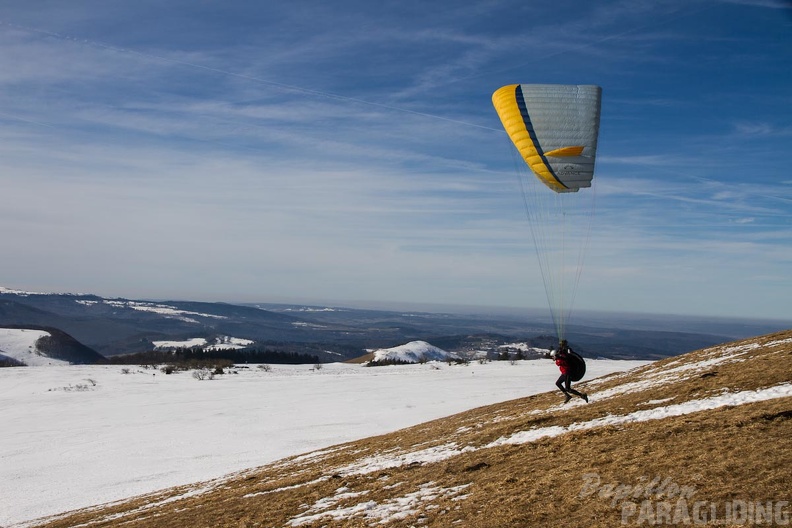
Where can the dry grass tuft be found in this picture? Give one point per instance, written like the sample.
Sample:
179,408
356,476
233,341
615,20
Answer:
444,474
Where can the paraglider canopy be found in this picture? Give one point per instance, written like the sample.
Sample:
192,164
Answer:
554,127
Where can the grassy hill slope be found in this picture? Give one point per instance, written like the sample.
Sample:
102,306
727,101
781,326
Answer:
711,428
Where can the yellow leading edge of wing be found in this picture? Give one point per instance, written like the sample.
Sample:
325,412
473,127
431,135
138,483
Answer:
505,104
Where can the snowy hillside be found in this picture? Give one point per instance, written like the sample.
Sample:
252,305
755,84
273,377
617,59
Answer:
80,435
412,352
700,439
22,345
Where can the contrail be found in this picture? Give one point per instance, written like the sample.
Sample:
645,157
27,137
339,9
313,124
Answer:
17,118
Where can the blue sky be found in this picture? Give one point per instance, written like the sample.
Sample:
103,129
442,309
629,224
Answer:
348,151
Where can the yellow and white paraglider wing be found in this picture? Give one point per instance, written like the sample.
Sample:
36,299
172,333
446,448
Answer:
554,128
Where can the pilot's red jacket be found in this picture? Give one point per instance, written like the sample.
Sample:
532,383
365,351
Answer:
562,360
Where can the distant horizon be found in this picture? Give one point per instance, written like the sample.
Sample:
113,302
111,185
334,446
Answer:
424,307
499,310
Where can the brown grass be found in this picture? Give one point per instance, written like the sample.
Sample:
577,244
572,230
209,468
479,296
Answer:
365,358
731,453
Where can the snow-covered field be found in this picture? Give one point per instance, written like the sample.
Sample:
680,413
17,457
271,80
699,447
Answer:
75,436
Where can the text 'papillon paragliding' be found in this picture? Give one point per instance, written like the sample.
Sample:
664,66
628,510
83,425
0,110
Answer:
554,129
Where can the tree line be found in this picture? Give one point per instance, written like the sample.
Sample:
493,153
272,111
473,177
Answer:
194,355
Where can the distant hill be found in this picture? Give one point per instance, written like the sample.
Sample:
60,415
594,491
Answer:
412,352
124,326
40,345
697,439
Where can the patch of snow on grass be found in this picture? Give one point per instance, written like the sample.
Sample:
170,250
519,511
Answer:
286,488
400,508
658,413
321,508
656,376
382,461
395,509
656,402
